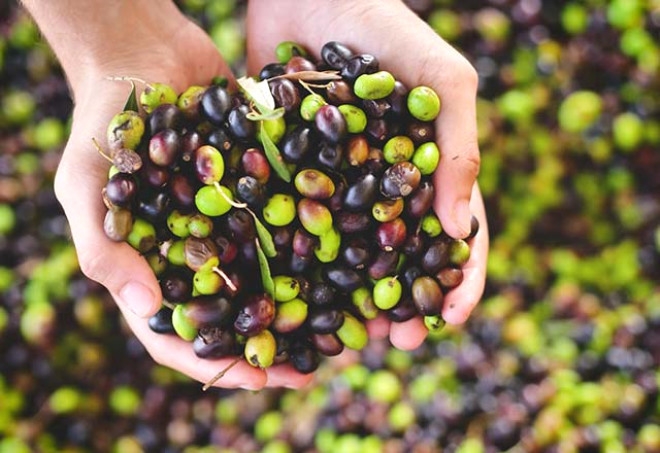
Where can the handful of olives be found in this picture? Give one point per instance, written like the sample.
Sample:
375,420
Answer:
279,218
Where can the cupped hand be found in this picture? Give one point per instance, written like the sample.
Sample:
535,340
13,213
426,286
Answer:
180,54
410,49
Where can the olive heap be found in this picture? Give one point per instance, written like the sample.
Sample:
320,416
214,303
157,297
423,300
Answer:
280,218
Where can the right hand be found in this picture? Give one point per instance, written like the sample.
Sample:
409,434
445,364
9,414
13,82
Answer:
180,54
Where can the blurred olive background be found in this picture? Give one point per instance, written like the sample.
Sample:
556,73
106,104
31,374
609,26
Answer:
562,355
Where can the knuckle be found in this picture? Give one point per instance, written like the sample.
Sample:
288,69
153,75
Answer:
92,264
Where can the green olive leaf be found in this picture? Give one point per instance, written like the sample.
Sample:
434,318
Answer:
132,101
266,277
265,238
273,155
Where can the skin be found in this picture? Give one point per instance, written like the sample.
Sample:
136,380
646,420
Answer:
151,40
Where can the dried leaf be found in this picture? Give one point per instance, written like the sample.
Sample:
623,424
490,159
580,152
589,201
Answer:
273,155
310,76
258,93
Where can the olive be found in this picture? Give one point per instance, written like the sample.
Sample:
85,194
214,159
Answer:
384,264
304,358
436,257
362,194
257,314
421,200
400,180
352,222
343,279
297,143
325,320
335,54
214,343
427,296
327,344
215,104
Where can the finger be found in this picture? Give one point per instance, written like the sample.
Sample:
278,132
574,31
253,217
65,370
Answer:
408,335
80,178
433,63
457,171
378,328
173,352
460,301
287,376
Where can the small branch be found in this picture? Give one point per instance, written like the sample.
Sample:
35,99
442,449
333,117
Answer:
225,277
220,375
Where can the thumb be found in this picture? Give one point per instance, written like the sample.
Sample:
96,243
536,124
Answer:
81,175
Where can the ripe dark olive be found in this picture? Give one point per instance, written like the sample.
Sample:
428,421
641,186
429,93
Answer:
331,123
343,279
165,116
327,344
322,294
339,92
335,54
391,235
427,296
182,191
239,125
384,264
121,190
161,322
176,286
400,180
220,139
285,93
304,359
330,155
325,320
304,243
215,104
352,222
404,310
449,277
154,206
251,191
421,200
297,144
271,70
298,63
362,194
215,342
436,257
209,311
376,108
358,65
257,313
227,250
240,225
356,253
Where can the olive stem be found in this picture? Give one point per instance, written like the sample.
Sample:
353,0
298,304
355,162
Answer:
219,376
168,304
308,87
225,277
101,152
127,79
229,200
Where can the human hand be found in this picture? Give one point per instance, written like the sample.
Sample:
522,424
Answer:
409,48
152,44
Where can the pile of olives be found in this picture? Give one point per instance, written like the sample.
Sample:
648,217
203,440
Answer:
281,217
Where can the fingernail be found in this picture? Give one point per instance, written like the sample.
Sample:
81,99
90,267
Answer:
138,298
461,217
